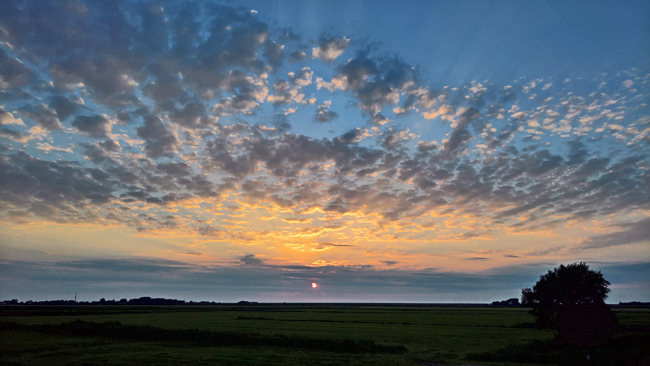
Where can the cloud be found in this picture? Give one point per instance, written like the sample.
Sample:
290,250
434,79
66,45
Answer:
297,220
65,107
7,118
375,83
302,78
350,137
13,72
250,260
460,135
330,48
297,56
633,232
426,146
285,93
43,116
97,126
323,114
17,136
249,92
160,141
141,265
95,278
47,148
46,189
195,107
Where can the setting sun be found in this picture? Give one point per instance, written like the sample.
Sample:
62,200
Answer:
314,285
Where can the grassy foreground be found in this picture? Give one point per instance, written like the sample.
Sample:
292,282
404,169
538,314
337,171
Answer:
324,334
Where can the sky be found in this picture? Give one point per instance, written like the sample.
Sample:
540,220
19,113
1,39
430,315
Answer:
420,151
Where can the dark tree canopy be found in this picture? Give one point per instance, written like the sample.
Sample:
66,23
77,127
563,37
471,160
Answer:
574,284
571,299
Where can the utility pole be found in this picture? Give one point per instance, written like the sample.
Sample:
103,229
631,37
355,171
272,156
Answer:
75,297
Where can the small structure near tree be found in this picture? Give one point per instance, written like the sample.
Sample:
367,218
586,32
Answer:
571,299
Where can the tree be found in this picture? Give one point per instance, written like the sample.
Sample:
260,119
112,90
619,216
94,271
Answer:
571,299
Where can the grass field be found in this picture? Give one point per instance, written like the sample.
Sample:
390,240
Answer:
298,335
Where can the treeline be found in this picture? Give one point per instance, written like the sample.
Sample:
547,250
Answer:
505,303
162,301
635,303
140,301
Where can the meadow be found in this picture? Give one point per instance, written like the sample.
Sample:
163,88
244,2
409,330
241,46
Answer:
301,334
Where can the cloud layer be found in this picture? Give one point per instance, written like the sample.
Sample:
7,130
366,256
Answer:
203,122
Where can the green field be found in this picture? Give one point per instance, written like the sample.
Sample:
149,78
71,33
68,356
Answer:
298,335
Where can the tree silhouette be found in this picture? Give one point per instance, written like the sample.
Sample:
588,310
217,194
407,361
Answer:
571,299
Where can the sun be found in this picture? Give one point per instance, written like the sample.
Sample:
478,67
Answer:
314,285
